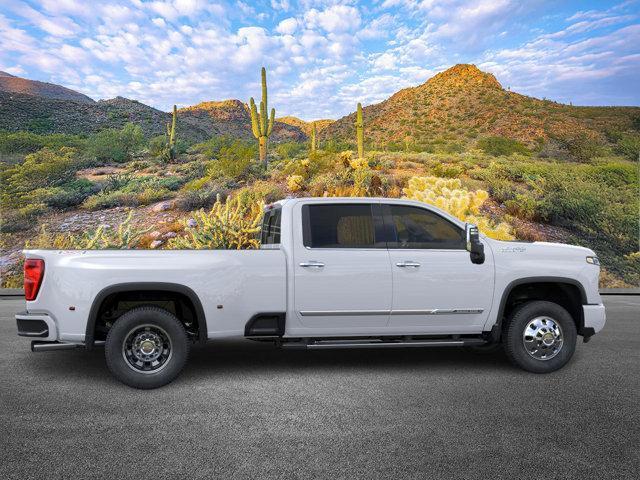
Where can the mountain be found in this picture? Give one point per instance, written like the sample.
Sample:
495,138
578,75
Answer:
232,118
305,126
56,109
464,103
16,85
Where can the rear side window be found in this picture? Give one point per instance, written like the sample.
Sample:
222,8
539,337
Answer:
338,226
270,231
418,228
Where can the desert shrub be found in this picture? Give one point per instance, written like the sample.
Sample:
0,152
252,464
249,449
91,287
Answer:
190,200
228,225
581,146
126,198
289,150
447,170
68,195
498,146
124,236
262,192
234,160
523,206
45,168
157,145
116,145
295,183
27,142
450,196
629,146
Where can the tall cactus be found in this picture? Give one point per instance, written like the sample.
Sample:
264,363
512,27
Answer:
260,124
360,132
171,136
314,141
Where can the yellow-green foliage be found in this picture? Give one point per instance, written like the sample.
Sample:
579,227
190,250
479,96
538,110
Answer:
124,236
228,225
449,195
295,183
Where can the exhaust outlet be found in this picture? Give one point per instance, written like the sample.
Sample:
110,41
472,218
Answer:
51,346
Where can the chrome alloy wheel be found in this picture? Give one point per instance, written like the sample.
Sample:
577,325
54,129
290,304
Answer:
146,349
542,338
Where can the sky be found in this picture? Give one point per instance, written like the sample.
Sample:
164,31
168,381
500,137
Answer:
322,57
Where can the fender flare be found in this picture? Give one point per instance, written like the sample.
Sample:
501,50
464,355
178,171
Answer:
137,286
497,326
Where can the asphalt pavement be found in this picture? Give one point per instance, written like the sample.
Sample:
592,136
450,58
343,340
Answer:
247,410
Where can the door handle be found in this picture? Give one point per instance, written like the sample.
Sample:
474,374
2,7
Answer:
407,263
312,264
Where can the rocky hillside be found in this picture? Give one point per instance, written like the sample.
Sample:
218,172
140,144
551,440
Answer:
232,117
464,103
47,108
20,111
305,126
16,85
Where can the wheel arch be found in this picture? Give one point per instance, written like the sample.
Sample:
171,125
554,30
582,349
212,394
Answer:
138,287
570,294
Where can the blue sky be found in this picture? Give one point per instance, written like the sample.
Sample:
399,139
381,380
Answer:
322,56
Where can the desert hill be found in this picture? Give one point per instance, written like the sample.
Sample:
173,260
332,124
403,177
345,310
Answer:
47,108
232,117
16,85
464,103
305,126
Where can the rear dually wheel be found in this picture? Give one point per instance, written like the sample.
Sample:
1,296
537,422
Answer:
147,347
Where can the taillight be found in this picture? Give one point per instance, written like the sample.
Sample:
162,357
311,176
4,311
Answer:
33,273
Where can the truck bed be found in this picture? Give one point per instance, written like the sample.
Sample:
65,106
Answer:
233,285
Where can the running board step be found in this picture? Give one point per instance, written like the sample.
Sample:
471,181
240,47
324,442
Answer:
332,344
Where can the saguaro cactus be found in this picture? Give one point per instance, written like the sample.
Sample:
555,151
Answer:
260,124
314,138
360,132
171,135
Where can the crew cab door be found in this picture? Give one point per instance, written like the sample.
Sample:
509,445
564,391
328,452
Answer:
436,288
341,268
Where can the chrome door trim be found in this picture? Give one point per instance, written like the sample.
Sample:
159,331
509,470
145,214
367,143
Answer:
349,313
342,313
439,311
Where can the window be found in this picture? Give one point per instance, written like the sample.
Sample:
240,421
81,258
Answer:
338,226
419,228
270,232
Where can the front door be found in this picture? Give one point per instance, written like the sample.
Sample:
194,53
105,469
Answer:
436,288
342,271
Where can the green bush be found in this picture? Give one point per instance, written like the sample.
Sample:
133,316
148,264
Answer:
116,145
234,159
498,146
582,146
629,146
28,142
289,150
45,168
120,198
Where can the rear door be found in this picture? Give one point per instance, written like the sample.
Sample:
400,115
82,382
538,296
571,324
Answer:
436,288
342,271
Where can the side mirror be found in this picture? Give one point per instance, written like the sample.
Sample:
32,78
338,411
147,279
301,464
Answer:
474,246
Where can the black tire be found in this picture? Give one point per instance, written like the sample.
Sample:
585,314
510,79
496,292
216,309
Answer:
543,316
167,339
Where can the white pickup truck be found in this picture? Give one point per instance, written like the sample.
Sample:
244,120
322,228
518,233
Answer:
330,273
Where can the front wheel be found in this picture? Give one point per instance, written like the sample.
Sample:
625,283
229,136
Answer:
540,337
147,347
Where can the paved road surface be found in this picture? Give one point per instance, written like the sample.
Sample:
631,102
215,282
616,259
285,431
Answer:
245,410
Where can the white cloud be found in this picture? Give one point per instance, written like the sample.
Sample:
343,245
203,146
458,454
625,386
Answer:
159,22
335,19
287,26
